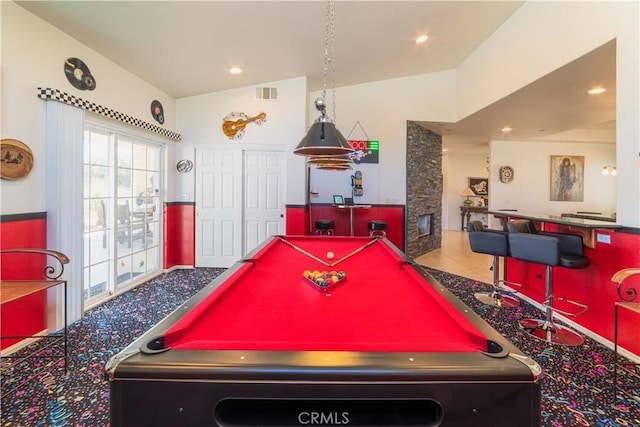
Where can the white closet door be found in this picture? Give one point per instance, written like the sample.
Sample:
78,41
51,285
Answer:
218,207
264,183
240,201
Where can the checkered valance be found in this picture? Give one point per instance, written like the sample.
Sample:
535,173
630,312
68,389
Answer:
56,95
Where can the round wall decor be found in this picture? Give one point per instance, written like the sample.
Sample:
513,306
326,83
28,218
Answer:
16,159
184,166
157,112
506,174
78,74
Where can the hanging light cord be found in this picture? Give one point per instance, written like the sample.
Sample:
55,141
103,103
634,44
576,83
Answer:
329,57
332,36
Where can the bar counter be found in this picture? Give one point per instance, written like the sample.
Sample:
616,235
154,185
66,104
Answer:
610,247
584,226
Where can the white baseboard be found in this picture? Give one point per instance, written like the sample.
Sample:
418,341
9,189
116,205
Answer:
178,267
598,338
23,343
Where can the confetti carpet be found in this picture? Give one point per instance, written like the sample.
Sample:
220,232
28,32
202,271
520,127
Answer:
577,382
576,387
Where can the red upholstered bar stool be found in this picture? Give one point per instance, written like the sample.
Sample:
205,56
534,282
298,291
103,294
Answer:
324,227
550,250
496,243
377,228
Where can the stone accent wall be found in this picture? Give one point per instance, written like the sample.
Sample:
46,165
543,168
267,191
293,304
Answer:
424,188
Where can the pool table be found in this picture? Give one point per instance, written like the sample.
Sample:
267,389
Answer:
263,345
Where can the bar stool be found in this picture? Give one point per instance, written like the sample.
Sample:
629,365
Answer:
377,228
496,243
324,227
550,250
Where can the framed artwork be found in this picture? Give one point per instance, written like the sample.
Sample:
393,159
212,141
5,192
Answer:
479,186
567,179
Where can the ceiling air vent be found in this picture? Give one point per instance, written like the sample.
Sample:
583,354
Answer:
266,93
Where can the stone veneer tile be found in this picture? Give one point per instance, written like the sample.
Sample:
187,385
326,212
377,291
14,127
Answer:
424,187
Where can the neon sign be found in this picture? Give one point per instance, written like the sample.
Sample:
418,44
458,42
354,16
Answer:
365,151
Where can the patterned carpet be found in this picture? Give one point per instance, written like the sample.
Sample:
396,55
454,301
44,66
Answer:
577,381
576,386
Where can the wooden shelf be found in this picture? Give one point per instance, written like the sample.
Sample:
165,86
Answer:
13,290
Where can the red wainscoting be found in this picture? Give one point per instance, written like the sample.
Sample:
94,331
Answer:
301,221
179,223
179,234
25,316
591,286
297,220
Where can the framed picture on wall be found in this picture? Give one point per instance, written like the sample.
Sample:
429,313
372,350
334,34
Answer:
479,186
567,179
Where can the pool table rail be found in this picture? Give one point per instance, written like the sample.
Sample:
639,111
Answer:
490,384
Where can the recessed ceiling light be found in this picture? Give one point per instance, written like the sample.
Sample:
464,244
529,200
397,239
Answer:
421,39
235,70
506,129
596,90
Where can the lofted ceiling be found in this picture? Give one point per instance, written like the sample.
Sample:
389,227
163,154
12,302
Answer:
555,107
186,48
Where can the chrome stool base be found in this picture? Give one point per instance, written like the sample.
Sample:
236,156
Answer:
324,227
497,299
551,332
377,228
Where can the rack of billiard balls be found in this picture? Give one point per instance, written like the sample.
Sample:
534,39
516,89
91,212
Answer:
324,280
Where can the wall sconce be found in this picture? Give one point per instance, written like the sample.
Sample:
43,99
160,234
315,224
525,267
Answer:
609,170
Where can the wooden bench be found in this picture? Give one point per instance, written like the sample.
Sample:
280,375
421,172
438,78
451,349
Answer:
12,290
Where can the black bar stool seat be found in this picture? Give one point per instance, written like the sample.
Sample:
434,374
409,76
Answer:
496,243
324,227
377,228
550,250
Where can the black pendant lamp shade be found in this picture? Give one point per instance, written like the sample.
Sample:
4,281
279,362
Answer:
323,139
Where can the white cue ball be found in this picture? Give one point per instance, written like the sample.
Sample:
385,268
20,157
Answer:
330,255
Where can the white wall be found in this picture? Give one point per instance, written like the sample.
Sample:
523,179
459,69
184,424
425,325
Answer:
383,108
200,121
459,168
529,192
33,55
541,37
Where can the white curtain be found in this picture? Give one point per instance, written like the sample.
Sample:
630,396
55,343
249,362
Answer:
65,136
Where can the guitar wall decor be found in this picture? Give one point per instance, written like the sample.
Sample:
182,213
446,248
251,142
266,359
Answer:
233,125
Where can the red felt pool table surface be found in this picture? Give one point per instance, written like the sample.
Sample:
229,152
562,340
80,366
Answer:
260,345
383,304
